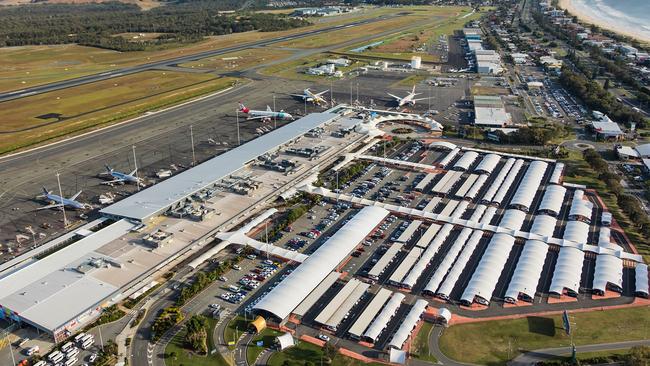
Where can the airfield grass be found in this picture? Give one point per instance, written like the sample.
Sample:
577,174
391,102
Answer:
35,119
294,69
29,66
244,59
402,45
185,356
235,328
305,352
496,342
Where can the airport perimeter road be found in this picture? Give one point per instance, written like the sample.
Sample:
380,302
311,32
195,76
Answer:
173,61
532,357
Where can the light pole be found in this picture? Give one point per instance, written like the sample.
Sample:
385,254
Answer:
135,163
192,142
65,219
238,137
305,106
275,120
350,93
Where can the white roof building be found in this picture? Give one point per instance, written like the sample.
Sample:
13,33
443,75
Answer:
489,111
444,291
287,295
643,150
408,324
544,225
466,160
513,219
285,341
369,313
488,164
381,321
556,176
641,280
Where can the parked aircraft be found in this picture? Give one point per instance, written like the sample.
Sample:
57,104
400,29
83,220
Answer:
120,177
57,201
316,98
409,99
266,115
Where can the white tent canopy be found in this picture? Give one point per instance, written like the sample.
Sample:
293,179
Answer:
552,200
454,273
408,324
492,190
485,277
488,164
285,341
529,185
608,273
567,271
466,160
641,276
513,219
381,321
296,287
528,271
544,225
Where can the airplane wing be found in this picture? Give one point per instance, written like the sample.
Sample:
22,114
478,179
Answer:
256,117
321,93
75,196
133,172
298,95
415,100
394,96
50,206
111,181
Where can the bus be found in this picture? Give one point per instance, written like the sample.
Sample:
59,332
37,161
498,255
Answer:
88,343
79,337
55,357
66,347
72,354
71,361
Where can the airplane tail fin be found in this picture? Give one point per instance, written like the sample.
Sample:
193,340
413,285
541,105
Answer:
268,109
75,196
45,191
242,108
413,90
108,168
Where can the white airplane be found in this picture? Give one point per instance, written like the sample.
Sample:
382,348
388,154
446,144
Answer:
57,201
266,115
120,177
316,98
409,99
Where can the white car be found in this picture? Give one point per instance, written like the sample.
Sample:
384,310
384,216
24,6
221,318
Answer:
323,337
236,267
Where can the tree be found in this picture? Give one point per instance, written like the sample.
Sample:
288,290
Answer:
606,86
639,356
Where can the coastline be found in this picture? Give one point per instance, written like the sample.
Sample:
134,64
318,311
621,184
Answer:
577,9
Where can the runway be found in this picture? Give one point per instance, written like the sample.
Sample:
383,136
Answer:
173,61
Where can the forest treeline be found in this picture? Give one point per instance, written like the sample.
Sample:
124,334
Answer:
98,24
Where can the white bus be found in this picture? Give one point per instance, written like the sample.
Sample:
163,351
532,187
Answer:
79,337
86,337
40,363
72,354
87,344
55,357
66,347
71,361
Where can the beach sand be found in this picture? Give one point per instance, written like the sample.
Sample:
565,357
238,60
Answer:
584,15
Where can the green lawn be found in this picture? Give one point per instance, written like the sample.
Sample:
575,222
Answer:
305,352
495,342
268,337
420,347
185,357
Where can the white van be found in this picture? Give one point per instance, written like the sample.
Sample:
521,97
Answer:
32,351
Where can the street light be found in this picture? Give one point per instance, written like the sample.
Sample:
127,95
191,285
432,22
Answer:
58,181
238,137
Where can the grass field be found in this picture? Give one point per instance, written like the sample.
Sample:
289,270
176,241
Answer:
28,66
404,44
305,352
495,342
242,60
235,328
294,69
183,356
31,120
420,348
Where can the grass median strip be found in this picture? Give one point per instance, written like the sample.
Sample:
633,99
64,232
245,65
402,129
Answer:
35,119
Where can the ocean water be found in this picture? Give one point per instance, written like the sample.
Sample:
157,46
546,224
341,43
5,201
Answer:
626,15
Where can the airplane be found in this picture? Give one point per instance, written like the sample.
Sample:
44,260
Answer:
409,99
59,202
121,177
312,97
266,115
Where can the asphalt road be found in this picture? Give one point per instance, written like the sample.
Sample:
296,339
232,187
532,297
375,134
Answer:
172,61
532,357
